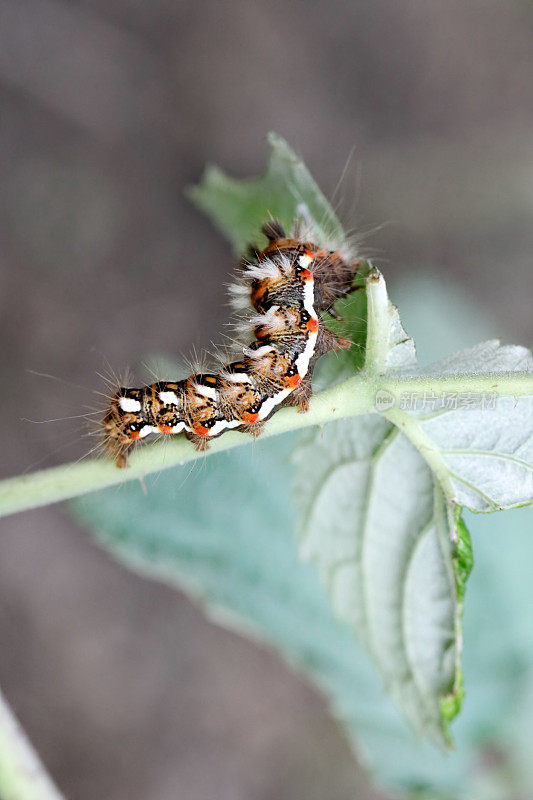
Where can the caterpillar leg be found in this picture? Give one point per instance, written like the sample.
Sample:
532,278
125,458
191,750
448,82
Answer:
328,341
118,450
121,457
201,443
301,395
256,429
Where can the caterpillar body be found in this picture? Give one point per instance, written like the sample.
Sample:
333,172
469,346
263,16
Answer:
287,285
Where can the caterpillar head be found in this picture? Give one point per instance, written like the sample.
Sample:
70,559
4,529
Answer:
332,270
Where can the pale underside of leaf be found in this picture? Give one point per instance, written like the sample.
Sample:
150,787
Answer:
489,357
377,526
489,453
485,442
239,561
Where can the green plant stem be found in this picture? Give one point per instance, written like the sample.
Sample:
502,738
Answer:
378,323
22,775
355,396
503,384
410,427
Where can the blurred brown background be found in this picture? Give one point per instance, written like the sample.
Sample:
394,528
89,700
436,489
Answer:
109,108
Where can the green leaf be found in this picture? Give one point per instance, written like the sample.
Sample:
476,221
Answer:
380,515
377,524
498,636
484,442
226,535
244,570
286,191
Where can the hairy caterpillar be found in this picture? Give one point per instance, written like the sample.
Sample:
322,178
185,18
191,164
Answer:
287,285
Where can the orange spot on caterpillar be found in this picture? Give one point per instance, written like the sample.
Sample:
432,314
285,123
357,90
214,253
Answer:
165,429
312,325
250,418
201,430
293,381
257,295
135,435
306,275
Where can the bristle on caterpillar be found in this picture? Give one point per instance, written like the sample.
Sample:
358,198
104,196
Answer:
286,287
